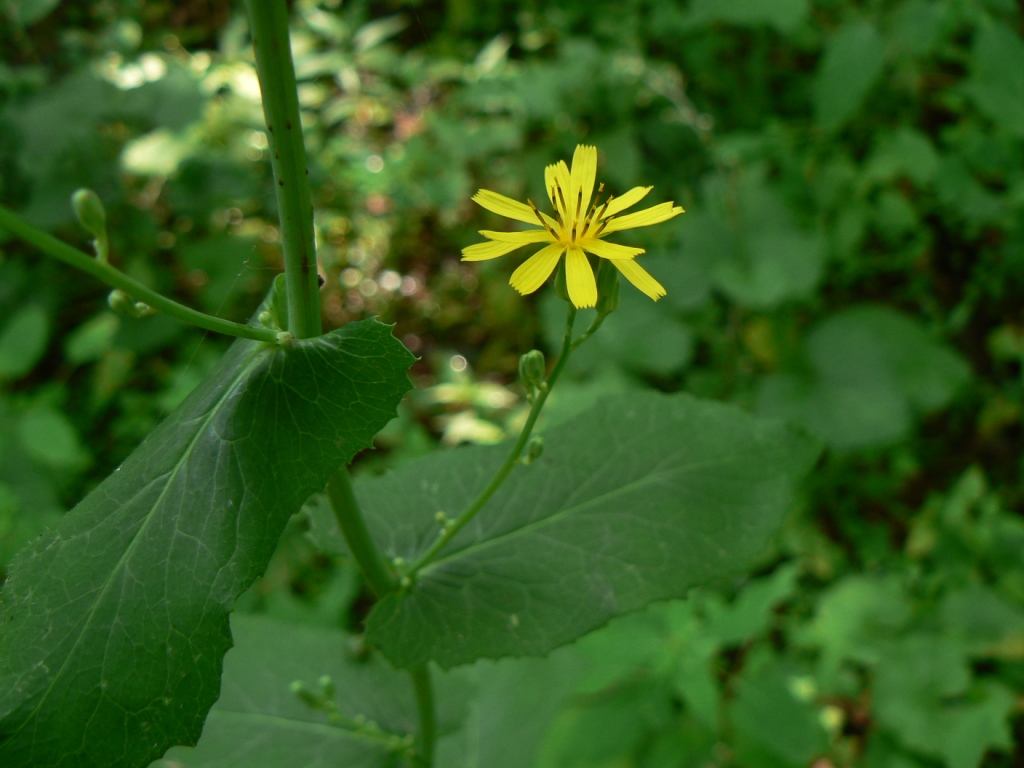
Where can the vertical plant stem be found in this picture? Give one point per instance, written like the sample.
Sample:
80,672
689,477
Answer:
380,580
357,535
269,22
426,736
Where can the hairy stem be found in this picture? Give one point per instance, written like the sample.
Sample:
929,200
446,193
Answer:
113,277
448,533
269,22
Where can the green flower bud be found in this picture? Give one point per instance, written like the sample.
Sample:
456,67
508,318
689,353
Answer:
266,319
327,689
607,287
141,309
534,449
308,697
90,212
121,302
284,338
532,369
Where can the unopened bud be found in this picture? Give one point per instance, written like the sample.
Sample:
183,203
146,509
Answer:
534,449
284,338
121,302
308,697
327,689
90,212
266,319
141,309
531,370
607,287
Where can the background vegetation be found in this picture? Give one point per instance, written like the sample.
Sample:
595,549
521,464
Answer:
852,260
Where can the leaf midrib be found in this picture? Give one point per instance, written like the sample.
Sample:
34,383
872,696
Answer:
243,371
528,527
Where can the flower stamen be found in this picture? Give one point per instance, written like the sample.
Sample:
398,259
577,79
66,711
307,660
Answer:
554,200
540,218
561,199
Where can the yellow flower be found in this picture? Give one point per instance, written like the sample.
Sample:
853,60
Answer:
578,225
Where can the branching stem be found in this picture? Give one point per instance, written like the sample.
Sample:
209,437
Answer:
115,278
449,531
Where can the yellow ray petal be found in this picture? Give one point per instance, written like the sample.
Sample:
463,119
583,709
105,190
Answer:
622,202
610,250
644,218
526,236
640,277
505,206
531,274
584,171
579,279
558,174
488,250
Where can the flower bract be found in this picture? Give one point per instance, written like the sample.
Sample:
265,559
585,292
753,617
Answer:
581,221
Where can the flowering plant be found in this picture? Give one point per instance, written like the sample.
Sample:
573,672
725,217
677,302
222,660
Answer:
115,623
580,223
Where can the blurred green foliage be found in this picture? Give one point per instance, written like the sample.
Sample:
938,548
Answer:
852,260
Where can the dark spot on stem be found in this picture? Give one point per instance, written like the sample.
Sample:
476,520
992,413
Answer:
288,124
280,183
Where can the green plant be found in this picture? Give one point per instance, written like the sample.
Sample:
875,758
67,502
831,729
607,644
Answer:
115,621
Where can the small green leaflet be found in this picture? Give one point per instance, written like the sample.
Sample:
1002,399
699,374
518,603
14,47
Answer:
114,623
636,500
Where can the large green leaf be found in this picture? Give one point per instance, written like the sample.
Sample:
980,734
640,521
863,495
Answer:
115,622
852,62
635,500
503,707
866,372
997,76
259,721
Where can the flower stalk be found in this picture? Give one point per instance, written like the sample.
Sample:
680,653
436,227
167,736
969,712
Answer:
115,278
449,531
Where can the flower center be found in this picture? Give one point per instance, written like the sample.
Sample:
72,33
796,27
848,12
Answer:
574,230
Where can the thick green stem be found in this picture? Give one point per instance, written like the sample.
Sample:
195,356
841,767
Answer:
380,580
357,535
113,277
269,22
448,533
426,735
